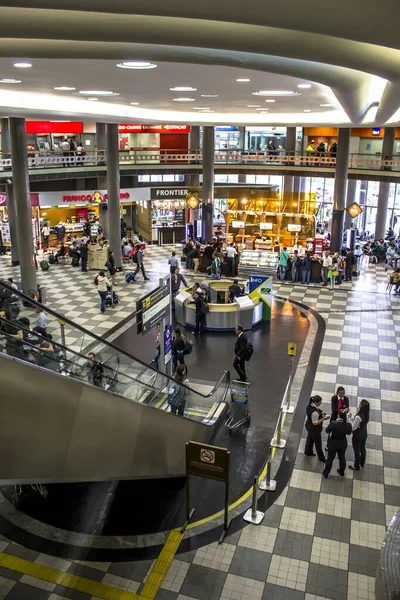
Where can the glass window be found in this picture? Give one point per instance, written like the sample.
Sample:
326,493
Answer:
233,178
220,178
372,193
263,179
179,178
370,218
392,193
168,178
156,178
250,178
143,178
329,189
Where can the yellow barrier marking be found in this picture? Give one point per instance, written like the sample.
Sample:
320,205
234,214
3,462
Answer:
68,580
161,565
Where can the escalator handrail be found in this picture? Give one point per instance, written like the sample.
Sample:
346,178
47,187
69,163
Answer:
99,339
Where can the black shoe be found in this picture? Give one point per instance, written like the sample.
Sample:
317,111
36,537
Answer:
147,278
340,473
323,460
312,454
354,468
325,474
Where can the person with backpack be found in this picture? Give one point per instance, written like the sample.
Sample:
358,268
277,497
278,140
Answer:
177,393
240,350
360,434
138,259
178,348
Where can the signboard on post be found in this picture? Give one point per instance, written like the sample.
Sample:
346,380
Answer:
151,309
167,344
260,287
292,349
211,462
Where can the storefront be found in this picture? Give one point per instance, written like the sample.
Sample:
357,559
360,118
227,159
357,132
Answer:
5,226
153,137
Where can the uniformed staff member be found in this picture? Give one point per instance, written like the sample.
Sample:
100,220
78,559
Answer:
360,434
315,418
337,443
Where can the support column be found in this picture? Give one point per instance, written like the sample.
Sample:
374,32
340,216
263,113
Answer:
113,190
290,140
339,195
11,211
351,197
102,184
208,184
194,144
387,146
101,142
381,213
287,192
5,136
22,201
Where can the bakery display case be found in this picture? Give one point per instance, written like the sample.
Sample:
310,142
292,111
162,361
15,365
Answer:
258,261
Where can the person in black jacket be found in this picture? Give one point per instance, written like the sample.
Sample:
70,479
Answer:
350,259
84,257
315,418
200,313
235,290
360,434
339,402
240,348
337,443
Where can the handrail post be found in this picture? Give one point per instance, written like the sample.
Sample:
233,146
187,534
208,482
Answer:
253,515
267,484
276,441
286,408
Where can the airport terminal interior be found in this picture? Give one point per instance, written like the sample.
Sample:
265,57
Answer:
199,300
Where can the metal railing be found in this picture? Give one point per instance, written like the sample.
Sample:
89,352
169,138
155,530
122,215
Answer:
48,160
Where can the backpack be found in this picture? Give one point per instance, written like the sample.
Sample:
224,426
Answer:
248,353
204,308
188,347
44,265
52,259
130,277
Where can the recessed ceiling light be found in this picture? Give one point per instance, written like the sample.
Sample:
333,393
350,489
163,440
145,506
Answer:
136,64
276,93
207,111
134,103
200,108
242,80
65,88
209,95
184,99
253,105
93,99
22,65
97,93
323,105
183,89
6,80
306,110
264,112
270,100
304,86
262,108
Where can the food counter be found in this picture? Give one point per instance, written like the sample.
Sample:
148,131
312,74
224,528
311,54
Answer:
221,317
172,234
253,262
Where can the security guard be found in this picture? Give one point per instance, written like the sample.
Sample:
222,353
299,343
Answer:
315,418
337,443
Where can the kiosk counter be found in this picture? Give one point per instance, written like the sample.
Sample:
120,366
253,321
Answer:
221,316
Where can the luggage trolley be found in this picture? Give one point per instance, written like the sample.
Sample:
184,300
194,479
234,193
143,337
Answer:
238,416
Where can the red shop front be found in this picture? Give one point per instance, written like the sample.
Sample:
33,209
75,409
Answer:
153,137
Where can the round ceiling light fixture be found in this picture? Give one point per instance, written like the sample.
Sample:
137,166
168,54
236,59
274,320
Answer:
93,99
304,86
134,103
306,110
136,64
7,80
201,108
64,88
23,65
253,105
326,105
210,95
183,89
184,99
96,93
276,93
243,80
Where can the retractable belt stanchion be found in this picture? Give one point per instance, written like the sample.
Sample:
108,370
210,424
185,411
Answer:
267,484
276,441
253,515
286,408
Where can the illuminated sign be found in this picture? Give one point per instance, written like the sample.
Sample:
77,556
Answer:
238,224
95,198
3,199
264,226
132,128
376,131
354,210
192,201
293,227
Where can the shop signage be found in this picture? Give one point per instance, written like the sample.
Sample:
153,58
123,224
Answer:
264,226
132,128
47,127
160,193
151,309
354,210
95,198
3,199
192,201
238,224
260,288
167,344
293,227
376,131
292,349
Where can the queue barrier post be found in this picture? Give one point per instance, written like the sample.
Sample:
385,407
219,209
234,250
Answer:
253,515
286,408
276,441
267,484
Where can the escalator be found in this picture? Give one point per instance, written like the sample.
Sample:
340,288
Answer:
76,408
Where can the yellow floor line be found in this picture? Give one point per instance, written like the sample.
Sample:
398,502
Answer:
161,565
68,580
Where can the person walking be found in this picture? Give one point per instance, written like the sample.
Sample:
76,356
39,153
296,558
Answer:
177,393
111,267
46,235
84,256
196,258
173,262
326,263
315,419
284,257
102,282
360,434
178,348
216,267
350,261
240,348
201,311
231,254
176,280
306,269
337,444
139,262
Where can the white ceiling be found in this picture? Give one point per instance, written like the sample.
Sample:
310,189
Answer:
206,45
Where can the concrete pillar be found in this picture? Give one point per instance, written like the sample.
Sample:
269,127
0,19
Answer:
387,146
351,197
22,201
290,141
113,190
12,220
339,195
208,184
102,184
5,136
287,192
381,214
101,136
194,144
242,178
363,203
242,138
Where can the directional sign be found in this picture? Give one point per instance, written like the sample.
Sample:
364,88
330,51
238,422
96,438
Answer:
151,309
292,349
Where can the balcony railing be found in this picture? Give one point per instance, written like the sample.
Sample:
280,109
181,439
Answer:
48,160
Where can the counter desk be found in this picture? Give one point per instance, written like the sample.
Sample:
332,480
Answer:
221,317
